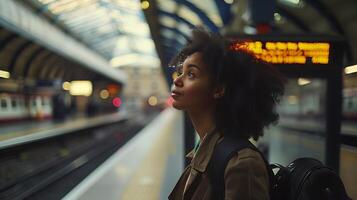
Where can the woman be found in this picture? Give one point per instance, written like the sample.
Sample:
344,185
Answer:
224,90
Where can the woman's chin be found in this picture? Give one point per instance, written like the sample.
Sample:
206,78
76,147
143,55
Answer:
177,106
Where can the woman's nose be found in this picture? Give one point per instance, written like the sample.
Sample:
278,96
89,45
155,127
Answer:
178,81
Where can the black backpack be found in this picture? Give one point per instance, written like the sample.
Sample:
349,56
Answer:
302,179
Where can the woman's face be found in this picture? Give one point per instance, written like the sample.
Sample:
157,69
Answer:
192,89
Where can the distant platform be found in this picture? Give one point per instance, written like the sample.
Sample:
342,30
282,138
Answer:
19,133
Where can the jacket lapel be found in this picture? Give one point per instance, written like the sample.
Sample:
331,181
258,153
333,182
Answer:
191,184
177,193
199,162
204,153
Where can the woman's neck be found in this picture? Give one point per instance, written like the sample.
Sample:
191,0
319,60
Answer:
202,121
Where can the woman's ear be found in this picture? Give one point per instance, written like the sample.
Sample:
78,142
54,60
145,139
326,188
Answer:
219,92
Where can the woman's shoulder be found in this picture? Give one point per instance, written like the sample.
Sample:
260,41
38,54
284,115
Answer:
248,153
246,176
247,158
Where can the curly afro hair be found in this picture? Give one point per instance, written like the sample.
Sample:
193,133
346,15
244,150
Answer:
253,87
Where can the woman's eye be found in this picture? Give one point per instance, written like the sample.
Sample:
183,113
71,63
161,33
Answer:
191,75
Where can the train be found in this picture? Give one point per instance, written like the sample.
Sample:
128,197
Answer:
19,106
42,99
20,100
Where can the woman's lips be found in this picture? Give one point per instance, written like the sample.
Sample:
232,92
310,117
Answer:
175,94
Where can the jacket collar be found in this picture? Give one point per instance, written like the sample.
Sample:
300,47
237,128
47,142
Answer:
201,158
191,154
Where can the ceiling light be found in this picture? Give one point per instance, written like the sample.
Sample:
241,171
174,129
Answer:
104,94
4,74
293,1
81,88
145,5
303,81
351,69
229,1
66,85
277,16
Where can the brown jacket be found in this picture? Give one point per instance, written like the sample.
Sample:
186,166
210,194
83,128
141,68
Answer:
245,176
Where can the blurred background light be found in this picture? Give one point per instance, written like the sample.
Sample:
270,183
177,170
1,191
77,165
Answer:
229,1
303,81
66,85
145,5
292,99
4,74
152,101
351,69
174,75
81,88
169,101
104,94
116,102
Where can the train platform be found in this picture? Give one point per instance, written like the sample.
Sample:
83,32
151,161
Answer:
147,167
29,131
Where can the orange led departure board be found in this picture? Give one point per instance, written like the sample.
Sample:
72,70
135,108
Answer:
278,52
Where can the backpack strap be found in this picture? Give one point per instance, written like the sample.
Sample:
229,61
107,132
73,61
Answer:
222,153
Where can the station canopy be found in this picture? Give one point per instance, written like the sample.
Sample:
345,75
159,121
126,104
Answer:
116,29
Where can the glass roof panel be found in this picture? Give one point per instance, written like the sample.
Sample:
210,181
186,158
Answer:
210,9
143,45
63,6
168,33
167,5
171,23
167,21
80,12
172,7
135,26
184,28
207,7
113,28
189,15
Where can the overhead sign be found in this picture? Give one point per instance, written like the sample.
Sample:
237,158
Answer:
286,52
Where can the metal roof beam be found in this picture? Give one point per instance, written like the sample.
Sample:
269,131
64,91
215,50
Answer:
175,17
202,15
